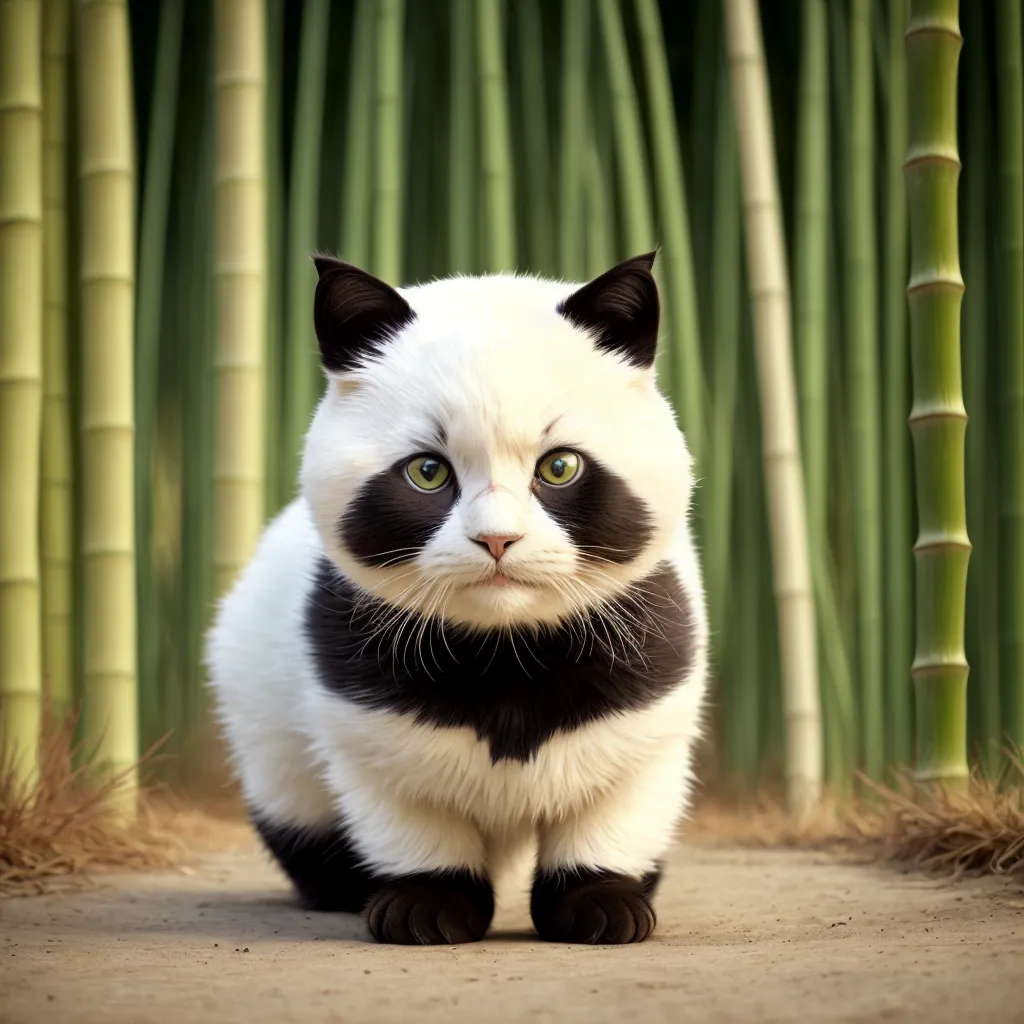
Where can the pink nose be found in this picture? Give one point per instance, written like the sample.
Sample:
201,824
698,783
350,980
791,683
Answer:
497,543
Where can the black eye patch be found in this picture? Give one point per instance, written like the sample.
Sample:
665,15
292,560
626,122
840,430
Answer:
390,521
601,514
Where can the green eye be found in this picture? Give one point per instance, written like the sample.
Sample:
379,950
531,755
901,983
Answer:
559,468
427,472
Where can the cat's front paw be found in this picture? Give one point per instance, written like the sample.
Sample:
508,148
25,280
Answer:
595,907
431,909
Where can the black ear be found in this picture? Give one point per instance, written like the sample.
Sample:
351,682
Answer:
620,308
353,313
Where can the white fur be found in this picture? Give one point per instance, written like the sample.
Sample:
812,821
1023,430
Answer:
490,359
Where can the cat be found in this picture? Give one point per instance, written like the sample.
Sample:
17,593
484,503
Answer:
479,633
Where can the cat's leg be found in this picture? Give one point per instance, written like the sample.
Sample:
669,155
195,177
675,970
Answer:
598,869
426,866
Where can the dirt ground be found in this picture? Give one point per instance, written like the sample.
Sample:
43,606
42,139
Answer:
742,936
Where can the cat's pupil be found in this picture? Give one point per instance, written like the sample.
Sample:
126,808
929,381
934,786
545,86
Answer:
429,469
558,467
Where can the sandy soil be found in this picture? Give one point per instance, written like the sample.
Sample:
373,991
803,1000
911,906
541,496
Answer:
743,936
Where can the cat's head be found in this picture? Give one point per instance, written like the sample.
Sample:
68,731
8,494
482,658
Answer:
493,450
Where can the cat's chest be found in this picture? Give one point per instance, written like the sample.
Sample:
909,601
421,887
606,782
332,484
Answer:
453,767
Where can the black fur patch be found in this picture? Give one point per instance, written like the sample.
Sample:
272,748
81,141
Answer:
323,866
435,908
353,313
621,309
389,520
604,518
596,907
515,691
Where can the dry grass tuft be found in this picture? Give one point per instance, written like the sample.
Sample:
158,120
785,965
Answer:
980,831
57,832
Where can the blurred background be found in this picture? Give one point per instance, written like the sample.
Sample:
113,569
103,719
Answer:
185,157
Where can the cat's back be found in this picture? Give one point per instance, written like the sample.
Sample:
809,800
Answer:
257,654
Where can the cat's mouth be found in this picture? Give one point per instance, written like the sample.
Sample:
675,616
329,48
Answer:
499,580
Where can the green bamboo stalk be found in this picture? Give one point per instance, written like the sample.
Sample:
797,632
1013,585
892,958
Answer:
496,148
896,396
938,419
240,276
787,510
56,511
982,576
810,293
862,342
278,471
630,151
1011,399
355,210
726,306
598,204
388,260
572,130
535,138
301,366
156,196
462,183
21,381
107,175
677,270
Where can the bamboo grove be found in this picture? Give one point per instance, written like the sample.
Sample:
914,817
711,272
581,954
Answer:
839,296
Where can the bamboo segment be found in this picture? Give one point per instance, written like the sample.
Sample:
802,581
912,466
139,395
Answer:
573,129
862,342
536,143
496,149
811,265
107,176
355,210
56,496
600,245
769,289
156,197
21,381
898,596
677,256
462,182
938,419
1011,403
978,325
240,283
302,357
387,227
634,192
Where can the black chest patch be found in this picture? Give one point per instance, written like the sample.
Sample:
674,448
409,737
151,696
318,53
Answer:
515,690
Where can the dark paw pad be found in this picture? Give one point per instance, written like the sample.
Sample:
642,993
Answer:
431,909
593,907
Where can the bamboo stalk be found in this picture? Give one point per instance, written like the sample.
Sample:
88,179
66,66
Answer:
896,394
387,204
1011,403
240,283
496,148
630,151
156,197
536,142
107,176
56,512
862,346
769,288
21,381
982,576
462,182
598,204
572,130
677,256
301,365
938,419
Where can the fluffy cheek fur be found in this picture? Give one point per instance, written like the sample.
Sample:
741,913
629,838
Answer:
583,544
